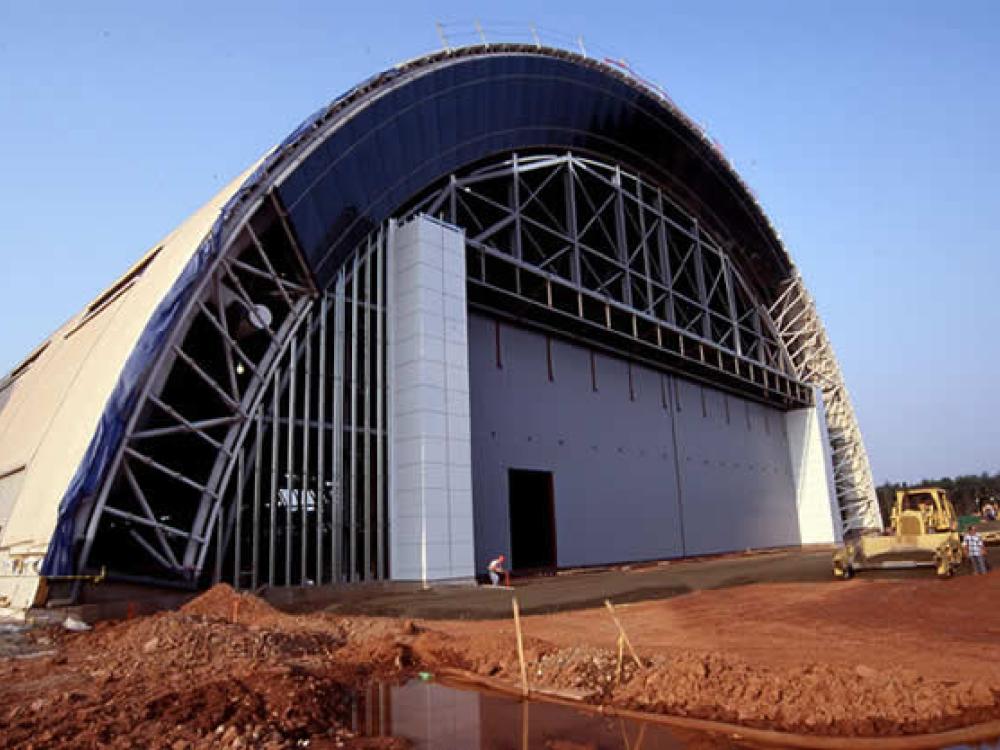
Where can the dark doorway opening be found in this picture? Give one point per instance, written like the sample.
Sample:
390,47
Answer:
532,520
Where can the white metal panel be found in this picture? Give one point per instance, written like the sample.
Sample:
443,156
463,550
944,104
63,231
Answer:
430,506
812,468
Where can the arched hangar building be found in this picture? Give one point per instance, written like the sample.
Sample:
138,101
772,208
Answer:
496,299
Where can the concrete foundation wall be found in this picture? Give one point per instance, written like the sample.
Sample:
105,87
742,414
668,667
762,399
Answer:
645,466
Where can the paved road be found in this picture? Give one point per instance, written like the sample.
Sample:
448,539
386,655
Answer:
583,589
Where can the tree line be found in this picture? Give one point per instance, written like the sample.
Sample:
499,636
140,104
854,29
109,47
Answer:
965,491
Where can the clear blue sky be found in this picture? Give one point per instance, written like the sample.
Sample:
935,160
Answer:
868,129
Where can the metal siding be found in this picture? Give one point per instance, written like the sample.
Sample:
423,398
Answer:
736,476
613,457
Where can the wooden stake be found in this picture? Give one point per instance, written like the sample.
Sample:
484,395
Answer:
520,647
621,630
641,737
525,734
621,656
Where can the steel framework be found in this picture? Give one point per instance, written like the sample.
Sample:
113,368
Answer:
258,450
634,262
611,255
312,486
809,348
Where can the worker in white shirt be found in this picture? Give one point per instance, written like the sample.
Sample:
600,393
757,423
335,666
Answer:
496,569
976,551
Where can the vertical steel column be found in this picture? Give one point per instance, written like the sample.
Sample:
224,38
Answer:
304,479
389,390
337,438
699,275
516,206
352,537
515,198
620,239
273,504
574,232
258,459
380,436
366,401
320,440
217,575
665,268
238,509
645,248
727,278
290,458
453,200
758,333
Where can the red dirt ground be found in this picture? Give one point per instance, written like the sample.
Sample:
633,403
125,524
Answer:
858,658
862,657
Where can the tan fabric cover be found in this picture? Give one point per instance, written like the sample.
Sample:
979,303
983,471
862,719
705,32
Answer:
53,408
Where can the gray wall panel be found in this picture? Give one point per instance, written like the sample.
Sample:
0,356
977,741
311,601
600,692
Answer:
611,452
735,473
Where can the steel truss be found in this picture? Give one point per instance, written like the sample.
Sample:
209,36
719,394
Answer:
308,505
257,453
601,247
635,262
809,348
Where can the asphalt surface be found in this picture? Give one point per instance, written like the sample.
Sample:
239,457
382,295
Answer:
589,588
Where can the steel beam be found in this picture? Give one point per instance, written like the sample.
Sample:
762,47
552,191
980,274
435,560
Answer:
352,463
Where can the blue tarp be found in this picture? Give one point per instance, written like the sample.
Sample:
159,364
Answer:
89,476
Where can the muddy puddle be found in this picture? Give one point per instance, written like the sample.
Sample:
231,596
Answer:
437,717
433,716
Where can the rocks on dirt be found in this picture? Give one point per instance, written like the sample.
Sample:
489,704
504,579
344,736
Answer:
222,602
191,679
204,677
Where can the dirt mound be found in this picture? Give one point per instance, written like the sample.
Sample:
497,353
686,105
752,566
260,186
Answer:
182,639
814,698
271,707
222,602
861,658
191,679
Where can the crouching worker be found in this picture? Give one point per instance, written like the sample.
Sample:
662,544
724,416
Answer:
496,569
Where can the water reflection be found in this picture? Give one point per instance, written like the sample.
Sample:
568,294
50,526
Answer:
436,717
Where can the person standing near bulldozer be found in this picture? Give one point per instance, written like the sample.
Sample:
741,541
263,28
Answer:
976,550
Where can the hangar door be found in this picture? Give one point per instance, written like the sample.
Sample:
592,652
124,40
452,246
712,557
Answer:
532,520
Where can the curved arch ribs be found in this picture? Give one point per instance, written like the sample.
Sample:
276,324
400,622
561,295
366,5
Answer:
811,353
258,449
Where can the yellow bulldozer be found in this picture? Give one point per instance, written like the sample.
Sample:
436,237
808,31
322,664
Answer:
923,533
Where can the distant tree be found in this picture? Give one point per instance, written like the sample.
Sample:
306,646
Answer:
965,491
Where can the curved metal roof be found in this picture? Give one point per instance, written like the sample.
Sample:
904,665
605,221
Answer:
352,164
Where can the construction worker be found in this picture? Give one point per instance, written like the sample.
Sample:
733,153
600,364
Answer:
976,550
496,569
